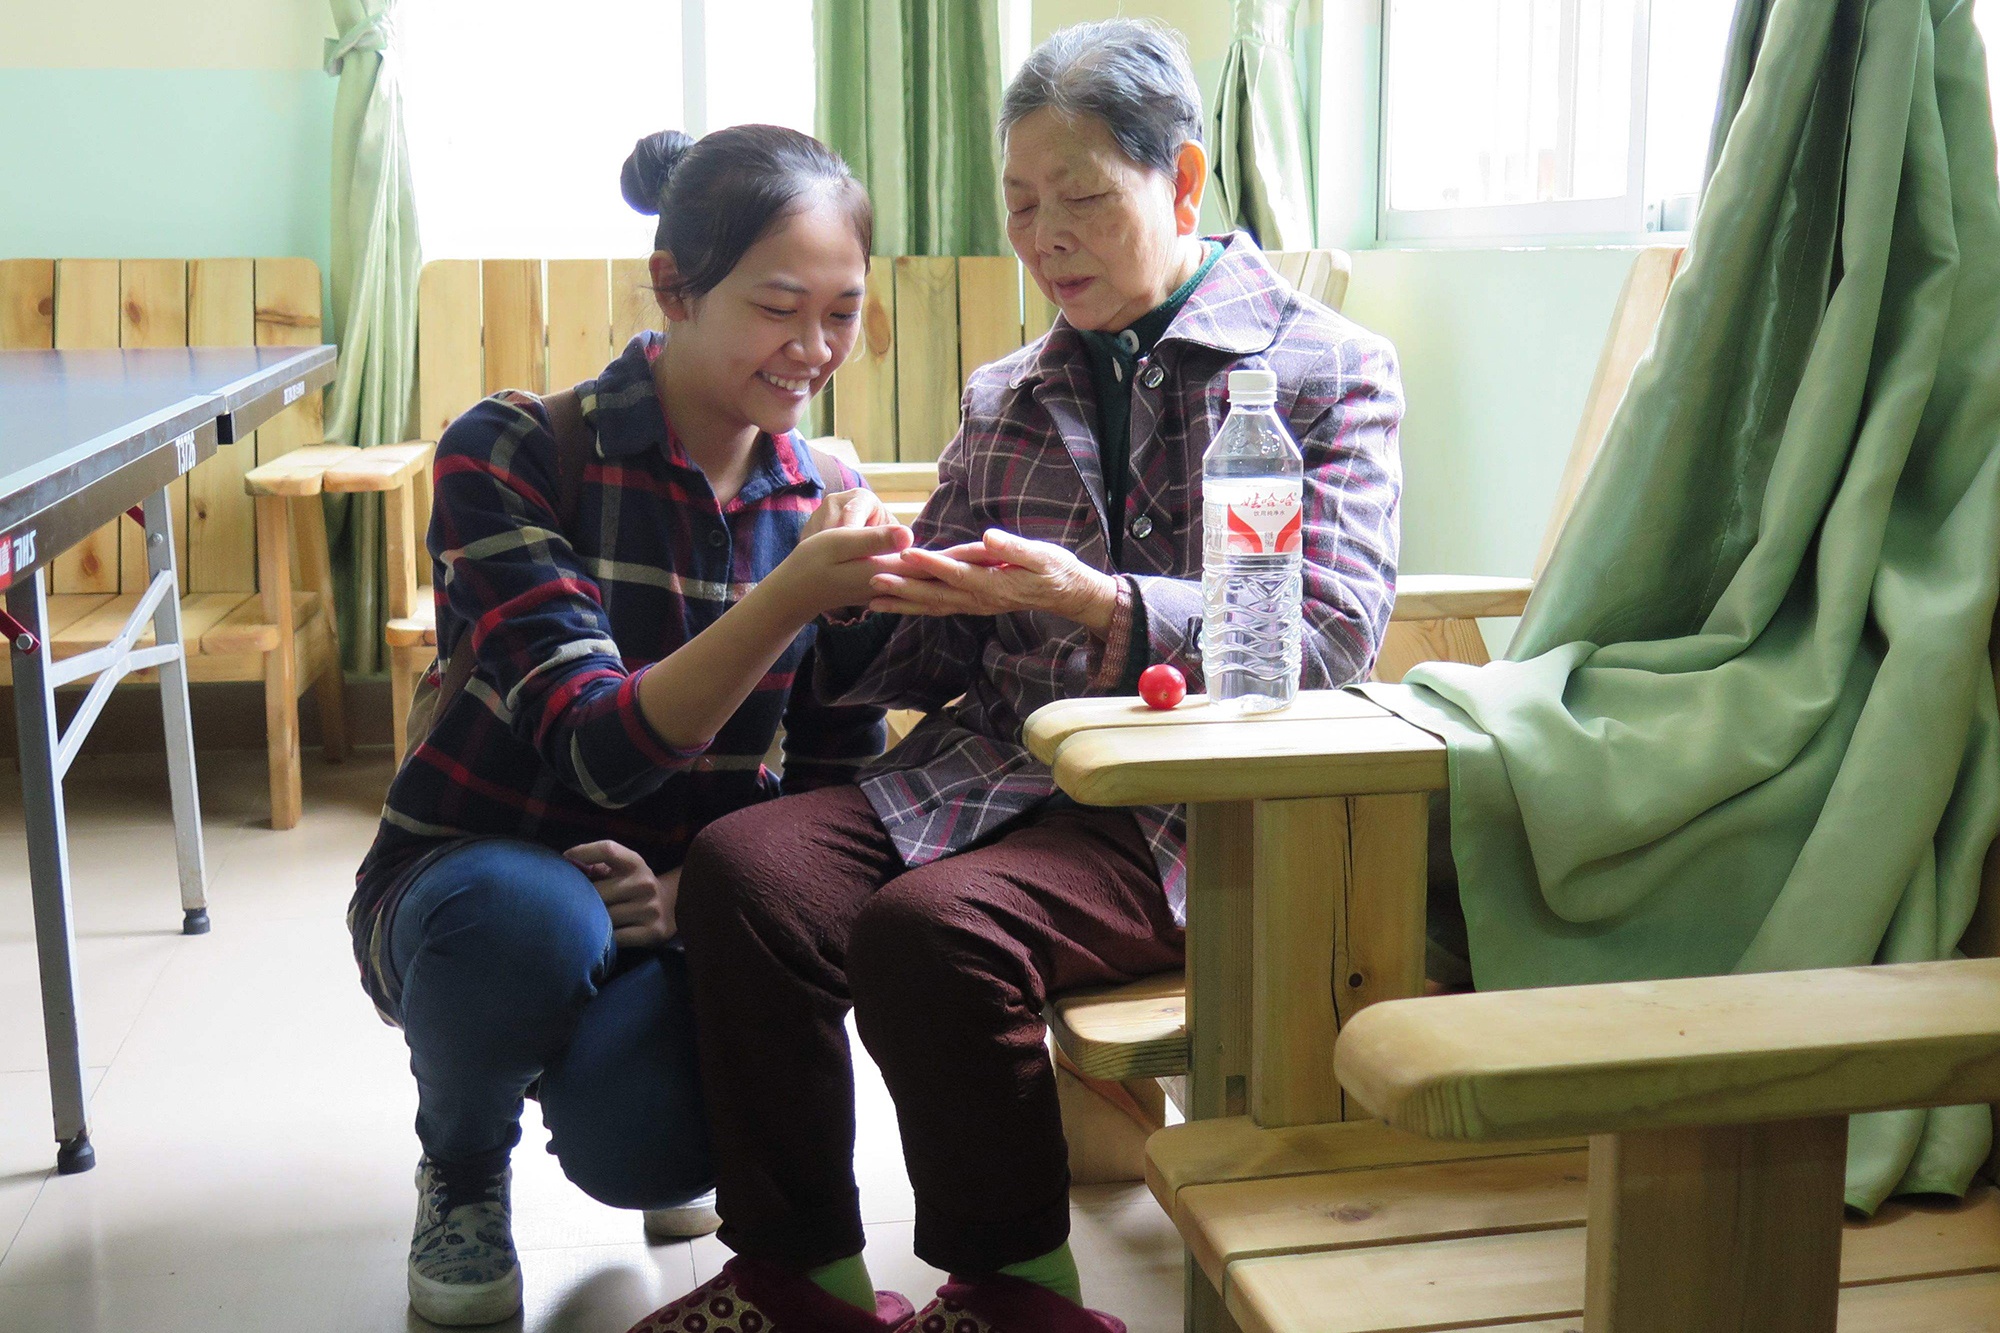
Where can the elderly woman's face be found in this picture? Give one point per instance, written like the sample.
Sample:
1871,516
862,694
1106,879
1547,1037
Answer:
1101,235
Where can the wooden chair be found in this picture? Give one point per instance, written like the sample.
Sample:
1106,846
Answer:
242,617
1139,1031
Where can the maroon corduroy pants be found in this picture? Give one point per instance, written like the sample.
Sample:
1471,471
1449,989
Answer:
796,910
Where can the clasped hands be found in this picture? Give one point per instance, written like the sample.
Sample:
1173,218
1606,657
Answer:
1001,572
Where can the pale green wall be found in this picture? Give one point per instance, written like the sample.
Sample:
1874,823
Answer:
165,128
1497,350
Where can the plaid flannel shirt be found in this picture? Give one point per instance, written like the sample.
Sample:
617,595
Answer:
1026,460
546,742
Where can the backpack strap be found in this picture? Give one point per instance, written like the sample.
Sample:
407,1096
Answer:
829,468
574,445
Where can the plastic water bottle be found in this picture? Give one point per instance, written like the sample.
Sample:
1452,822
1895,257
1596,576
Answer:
1253,492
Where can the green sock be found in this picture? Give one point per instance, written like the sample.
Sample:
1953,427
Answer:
1055,1270
848,1279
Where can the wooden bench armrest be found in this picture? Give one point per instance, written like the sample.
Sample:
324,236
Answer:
381,467
1330,743
1707,1051
901,480
300,472
1459,596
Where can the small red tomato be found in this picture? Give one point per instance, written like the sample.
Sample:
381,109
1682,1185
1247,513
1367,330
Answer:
1162,686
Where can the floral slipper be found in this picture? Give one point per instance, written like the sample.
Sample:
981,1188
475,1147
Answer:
1002,1304
754,1296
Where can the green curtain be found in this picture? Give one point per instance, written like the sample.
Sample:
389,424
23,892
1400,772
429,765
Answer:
1748,721
1262,163
375,263
909,94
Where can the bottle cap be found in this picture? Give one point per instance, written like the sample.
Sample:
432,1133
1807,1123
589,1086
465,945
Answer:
1253,388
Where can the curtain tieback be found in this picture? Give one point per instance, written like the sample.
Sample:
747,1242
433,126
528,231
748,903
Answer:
371,34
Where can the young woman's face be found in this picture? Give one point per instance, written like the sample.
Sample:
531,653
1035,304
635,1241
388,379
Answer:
770,335
1099,233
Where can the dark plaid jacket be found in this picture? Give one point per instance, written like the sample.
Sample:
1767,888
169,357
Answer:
1026,459
546,742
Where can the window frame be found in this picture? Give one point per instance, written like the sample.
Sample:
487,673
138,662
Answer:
1621,219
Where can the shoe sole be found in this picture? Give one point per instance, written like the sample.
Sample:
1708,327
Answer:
458,1304
670,1224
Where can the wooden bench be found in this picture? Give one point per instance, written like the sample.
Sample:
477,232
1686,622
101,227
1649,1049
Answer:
242,618
1657,1157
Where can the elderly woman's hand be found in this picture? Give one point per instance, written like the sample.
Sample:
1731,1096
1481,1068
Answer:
1002,573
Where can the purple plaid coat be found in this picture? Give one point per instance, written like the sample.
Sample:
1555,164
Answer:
1026,460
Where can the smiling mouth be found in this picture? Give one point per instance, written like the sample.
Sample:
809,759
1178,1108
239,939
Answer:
788,385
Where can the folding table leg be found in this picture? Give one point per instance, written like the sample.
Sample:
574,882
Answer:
48,873
175,717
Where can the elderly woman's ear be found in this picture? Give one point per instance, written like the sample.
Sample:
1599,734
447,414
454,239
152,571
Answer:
1190,184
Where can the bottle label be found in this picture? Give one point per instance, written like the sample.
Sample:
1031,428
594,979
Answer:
1254,517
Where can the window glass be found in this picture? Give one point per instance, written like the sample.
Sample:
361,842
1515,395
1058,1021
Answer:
1508,101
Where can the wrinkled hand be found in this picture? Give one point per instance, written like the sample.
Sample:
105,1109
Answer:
641,903
998,574
858,508
833,567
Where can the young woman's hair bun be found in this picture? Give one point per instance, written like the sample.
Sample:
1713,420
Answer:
651,165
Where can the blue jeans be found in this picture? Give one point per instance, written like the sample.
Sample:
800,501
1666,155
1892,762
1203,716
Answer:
506,972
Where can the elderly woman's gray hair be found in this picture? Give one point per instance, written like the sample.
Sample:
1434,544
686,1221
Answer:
1132,74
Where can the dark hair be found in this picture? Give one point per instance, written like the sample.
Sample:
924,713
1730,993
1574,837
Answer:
1132,74
717,196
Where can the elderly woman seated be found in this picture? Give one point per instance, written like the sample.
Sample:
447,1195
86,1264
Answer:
951,890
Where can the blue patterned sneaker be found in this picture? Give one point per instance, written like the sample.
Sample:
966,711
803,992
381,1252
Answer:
463,1269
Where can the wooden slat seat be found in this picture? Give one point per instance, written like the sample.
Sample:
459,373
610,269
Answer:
1348,1226
1138,1030
1514,1273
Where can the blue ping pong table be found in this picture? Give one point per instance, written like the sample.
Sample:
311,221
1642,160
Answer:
85,437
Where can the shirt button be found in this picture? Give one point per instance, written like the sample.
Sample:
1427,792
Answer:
718,538
1153,377
1142,528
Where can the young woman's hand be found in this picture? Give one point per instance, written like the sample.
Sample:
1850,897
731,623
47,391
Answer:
641,903
1002,573
832,567
858,508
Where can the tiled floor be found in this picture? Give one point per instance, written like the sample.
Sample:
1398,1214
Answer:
252,1116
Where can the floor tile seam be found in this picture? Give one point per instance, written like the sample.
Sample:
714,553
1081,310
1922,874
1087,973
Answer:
139,1010
22,1225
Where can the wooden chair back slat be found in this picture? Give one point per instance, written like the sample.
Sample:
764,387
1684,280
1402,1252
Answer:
152,301
511,294
633,305
989,310
288,315
27,305
579,320
928,382
864,388
451,372
87,316
221,527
